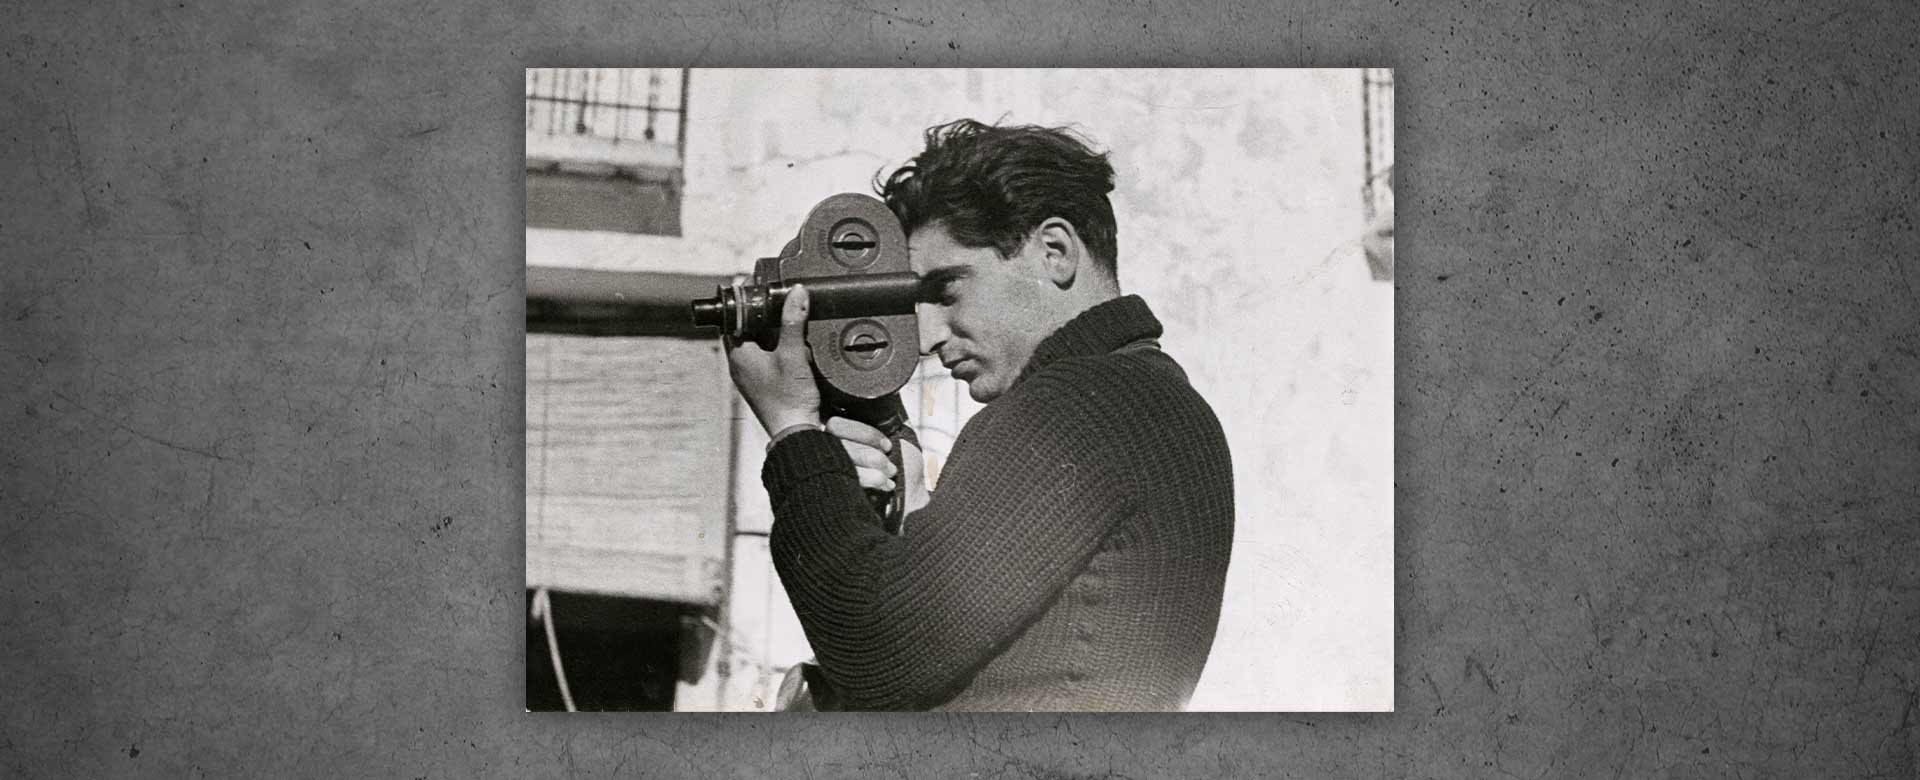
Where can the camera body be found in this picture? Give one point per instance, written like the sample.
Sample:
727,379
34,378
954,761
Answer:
851,254
862,332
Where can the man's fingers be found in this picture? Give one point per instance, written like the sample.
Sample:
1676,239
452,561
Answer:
874,480
793,320
867,457
859,432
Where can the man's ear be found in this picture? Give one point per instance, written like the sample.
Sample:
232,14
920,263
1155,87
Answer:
1061,253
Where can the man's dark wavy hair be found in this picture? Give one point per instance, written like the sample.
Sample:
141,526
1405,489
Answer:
990,186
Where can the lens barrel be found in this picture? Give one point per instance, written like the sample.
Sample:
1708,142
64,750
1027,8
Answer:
711,312
752,312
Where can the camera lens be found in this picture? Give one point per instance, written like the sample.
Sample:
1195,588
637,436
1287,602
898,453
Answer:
710,313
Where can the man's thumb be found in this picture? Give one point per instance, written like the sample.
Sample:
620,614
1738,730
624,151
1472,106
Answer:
793,319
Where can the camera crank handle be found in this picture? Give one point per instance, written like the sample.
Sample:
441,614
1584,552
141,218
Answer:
894,519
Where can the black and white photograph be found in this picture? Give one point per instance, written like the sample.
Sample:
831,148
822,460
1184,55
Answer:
1001,390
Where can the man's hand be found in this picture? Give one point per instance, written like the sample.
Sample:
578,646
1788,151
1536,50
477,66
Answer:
870,451
779,385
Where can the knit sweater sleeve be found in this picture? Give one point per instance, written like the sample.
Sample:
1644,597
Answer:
897,622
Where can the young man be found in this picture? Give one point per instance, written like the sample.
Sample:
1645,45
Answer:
1074,553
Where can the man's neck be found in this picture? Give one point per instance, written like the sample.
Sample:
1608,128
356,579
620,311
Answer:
1091,293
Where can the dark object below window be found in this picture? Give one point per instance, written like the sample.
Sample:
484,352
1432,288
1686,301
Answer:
582,302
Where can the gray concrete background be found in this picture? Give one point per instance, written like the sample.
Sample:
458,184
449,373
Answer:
1659,398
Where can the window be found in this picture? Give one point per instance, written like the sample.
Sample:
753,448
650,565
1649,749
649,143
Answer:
605,148
1378,135
1376,190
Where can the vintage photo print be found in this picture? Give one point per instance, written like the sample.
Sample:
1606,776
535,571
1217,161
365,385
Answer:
941,389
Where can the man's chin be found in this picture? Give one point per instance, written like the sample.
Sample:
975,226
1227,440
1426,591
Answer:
981,390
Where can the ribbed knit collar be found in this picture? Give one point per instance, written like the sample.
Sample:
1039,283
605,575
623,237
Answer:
1105,327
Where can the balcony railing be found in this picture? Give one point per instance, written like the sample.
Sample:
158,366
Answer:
606,148
597,118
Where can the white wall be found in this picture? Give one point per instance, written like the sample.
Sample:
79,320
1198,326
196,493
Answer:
1239,206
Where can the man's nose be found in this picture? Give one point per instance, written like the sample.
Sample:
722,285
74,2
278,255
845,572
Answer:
933,328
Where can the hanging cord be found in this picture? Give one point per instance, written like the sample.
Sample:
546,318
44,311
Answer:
543,612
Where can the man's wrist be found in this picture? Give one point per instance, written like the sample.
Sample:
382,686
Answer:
787,427
781,422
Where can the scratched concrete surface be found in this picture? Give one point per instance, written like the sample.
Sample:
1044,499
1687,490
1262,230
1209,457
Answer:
1659,401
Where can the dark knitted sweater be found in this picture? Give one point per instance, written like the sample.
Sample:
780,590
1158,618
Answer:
1072,557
